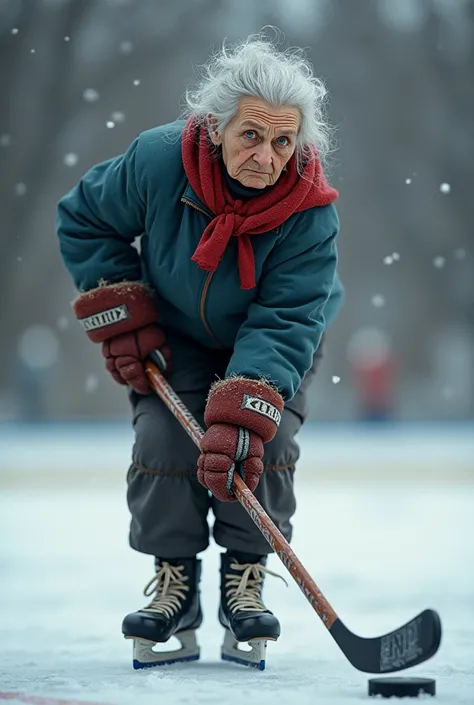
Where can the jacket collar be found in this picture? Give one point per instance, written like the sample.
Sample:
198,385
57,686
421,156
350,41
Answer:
190,195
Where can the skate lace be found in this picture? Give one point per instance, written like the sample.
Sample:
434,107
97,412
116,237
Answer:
168,584
243,592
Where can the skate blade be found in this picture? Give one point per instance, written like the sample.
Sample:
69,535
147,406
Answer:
255,658
145,657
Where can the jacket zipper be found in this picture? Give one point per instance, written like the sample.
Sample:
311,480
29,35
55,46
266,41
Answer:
207,283
194,205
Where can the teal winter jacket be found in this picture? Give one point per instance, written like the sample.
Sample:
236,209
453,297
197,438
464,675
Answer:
272,330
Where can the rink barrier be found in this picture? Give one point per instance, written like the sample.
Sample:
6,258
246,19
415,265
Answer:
88,454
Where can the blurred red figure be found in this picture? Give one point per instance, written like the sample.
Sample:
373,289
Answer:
373,368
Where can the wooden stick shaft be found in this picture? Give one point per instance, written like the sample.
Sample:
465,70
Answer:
247,499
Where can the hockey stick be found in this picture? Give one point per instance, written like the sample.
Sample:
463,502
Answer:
414,642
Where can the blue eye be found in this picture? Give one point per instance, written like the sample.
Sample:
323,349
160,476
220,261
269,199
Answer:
250,134
285,143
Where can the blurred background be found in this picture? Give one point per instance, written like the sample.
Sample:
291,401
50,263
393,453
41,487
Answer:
80,79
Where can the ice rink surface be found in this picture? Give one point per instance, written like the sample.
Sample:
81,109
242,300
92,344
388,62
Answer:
380,552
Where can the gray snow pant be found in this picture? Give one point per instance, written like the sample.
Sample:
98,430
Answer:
169,507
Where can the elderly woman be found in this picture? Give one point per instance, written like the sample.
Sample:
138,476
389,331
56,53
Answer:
234,282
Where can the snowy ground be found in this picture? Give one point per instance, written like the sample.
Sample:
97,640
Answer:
380,552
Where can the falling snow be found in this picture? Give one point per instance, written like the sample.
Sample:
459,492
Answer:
390,259
110,124
136,82
32,51
20,189
91,384
408,181
445,188
460,253
38,347
126,47
439,262
62,323
70,159
335,379
14,30
90,95
67,39
378,301
118,116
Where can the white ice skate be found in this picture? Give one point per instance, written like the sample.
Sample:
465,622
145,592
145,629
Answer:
242,612
175,610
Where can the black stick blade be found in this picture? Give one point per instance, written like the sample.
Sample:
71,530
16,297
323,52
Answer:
415,642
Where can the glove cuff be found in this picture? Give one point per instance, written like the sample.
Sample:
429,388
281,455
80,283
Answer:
252,404
115,308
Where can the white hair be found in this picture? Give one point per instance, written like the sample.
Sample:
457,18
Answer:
257,67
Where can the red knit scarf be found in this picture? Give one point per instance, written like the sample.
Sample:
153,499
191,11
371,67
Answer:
291,194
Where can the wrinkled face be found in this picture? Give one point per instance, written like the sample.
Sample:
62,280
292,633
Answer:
258,142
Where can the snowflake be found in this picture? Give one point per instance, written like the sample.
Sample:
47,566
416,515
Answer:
388,259
91,383
408,181
335,379
90,95
126,47
378,301
439,262
62,323
70,159
20,189
445,188
118,116
110,124
136,82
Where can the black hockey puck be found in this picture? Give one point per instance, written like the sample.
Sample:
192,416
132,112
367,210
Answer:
402,687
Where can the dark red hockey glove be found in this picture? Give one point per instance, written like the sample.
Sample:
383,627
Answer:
123,317
241,415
